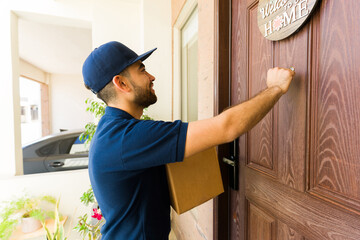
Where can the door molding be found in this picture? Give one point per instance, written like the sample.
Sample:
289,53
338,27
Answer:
222,98
184,15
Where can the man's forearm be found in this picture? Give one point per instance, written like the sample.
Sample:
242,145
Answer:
239,119
244,116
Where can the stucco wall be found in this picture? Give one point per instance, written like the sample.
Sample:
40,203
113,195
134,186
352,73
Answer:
10,143
67,97
141,25
30,71
68,185
109,21
67,102
66,11
157,33
198,223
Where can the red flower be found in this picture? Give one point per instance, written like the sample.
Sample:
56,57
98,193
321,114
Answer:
97,214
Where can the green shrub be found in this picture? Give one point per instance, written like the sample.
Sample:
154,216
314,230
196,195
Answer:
23,207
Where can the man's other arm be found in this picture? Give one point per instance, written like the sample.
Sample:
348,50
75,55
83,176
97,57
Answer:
239,119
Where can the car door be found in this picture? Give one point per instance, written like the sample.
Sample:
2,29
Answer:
34,164
70,154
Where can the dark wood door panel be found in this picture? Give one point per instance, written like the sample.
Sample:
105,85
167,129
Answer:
308,216
292,110
284,232
260,59
300,166
335,104
278,141
261,225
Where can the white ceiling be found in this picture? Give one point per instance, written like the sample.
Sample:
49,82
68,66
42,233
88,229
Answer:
52,47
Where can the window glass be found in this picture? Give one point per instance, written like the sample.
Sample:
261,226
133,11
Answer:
47,150
79,147
77,162
65,145
189,69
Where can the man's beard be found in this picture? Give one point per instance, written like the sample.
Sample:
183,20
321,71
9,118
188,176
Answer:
144,97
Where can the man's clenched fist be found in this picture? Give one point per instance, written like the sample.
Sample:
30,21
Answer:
280,77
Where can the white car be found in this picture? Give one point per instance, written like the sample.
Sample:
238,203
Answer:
58,152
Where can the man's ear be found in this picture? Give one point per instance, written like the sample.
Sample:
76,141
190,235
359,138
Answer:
121,83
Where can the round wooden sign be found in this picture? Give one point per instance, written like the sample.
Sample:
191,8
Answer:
278,19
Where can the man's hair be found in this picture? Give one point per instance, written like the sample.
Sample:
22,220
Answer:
108,94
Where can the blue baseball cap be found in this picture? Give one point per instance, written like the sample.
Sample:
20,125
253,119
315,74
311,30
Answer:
107,61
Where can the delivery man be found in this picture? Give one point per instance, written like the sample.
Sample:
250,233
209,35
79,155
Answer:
127,155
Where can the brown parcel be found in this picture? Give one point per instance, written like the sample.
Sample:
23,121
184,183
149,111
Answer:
194,181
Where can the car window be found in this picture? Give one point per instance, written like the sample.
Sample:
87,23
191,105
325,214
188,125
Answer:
65,145
70,145
78,147
49,149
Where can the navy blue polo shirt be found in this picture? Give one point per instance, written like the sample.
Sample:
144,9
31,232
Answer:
127,172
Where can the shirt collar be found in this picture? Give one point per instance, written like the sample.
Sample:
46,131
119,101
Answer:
117,112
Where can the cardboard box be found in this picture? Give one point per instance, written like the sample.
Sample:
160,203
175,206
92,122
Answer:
194,181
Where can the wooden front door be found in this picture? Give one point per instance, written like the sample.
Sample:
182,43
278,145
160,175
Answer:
300,166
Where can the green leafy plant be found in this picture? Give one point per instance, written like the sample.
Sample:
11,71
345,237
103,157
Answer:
7,227
145,116
58,227
88,197
90,228
97,109
23,207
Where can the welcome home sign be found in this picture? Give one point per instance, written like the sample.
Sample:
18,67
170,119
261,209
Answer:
278,19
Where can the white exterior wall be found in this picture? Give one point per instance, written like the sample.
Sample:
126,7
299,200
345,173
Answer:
66,12
115,20
67,96
10,142
140,24
32,72
68,185
157,33
67,102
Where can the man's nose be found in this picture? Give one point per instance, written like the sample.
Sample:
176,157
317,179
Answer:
151,77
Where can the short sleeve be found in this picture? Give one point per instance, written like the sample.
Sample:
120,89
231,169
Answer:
147,143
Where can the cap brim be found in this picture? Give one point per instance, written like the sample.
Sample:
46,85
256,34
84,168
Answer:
144,56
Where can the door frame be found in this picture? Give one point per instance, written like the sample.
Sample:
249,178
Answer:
222,93
186,11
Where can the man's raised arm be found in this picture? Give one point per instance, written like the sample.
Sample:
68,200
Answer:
239,119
